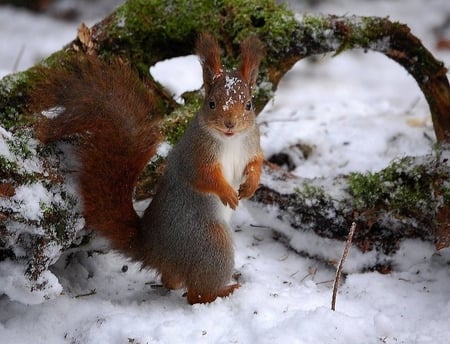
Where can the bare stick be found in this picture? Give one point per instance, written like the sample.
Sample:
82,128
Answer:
18,58
341,264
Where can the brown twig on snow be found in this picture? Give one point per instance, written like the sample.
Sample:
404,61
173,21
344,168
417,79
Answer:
341,264
18,58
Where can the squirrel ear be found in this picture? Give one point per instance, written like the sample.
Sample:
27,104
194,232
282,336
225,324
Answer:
208,50
252,52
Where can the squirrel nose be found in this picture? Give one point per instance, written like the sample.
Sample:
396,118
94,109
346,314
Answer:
229,124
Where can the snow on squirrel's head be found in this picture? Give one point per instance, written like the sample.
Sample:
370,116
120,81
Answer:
228,94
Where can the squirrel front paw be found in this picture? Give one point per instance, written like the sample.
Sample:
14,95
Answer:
230,198
252,174
248,188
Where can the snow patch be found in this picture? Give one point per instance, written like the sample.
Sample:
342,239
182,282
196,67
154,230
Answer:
178,75
15,284
29,199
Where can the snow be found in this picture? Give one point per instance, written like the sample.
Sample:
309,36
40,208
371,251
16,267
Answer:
30,198
187,78
342,97
16,285
23,44
357,111
4,149
231,88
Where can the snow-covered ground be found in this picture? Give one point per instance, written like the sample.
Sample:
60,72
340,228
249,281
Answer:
358,111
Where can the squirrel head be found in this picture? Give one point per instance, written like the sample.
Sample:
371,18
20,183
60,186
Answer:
228,105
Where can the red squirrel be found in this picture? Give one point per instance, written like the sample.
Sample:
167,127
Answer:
184,233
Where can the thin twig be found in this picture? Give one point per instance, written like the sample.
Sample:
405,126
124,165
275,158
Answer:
92,292
18,58
341,264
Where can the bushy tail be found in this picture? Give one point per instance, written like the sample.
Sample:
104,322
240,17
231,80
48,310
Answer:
109,109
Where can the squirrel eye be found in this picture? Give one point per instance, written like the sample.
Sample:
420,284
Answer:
248,106
212,104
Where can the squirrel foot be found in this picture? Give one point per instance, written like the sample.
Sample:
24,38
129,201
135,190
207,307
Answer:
171,282
194,297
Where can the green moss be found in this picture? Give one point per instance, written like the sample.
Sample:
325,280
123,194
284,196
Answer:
8,168
269,20
13,94
361,35
403,187
175,126
55,59
11,83
59,219
310,192
315,28
15,168
141,29
367,33
344,33
10,117
176,123
12,171
19,146
445,188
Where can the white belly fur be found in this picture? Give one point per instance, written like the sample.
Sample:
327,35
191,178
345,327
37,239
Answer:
234,158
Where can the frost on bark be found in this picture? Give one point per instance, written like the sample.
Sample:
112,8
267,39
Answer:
36,229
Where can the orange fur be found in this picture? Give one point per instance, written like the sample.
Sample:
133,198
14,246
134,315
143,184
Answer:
193,296
100,100
170,280
252,175
209,178
208,50
252,52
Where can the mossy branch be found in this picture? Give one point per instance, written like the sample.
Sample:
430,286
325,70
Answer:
402,201
316,35
287,39
145,32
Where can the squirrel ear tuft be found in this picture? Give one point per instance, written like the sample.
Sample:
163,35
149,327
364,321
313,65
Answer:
252,52
208,50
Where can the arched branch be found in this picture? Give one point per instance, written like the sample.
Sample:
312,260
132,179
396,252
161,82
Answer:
144,33
392,39
313,35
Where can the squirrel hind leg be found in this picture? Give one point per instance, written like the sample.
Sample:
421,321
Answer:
194,296
211,279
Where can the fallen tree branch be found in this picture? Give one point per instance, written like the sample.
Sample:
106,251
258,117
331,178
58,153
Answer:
392,39
400,202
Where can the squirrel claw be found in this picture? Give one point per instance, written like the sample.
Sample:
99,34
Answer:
246,191
194,297
231,200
